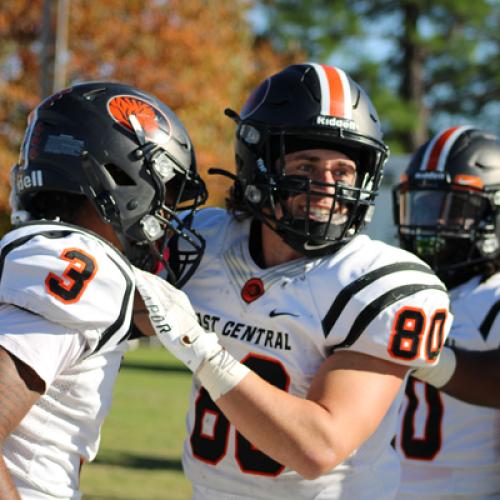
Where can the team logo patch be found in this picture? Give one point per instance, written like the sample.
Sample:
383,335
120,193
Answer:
154,123
252,290
430,175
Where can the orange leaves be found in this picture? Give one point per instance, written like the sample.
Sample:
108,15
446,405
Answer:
199,57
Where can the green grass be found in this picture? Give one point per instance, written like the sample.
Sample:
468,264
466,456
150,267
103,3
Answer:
141,446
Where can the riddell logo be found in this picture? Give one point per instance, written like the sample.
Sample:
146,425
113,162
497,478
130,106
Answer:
333,121
28,181
431,174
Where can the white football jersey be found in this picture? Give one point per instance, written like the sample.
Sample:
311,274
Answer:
283,322
66,305
449,447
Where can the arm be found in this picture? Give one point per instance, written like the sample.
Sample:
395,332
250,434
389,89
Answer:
20,388
310,435
141,317
472,376
314,435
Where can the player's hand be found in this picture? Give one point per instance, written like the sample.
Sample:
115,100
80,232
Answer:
174,321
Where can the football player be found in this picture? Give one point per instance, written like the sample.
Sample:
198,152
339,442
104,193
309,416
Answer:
314,326
447,210
102,169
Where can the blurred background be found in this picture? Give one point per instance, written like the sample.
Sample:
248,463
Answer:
426,64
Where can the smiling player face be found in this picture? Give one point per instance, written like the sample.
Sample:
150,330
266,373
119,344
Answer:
324,168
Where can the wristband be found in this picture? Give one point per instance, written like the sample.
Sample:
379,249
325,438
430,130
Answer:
221,373
439,375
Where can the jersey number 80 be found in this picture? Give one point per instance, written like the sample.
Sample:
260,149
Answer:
410,331
212,447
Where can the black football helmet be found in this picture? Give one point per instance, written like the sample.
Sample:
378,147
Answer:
307,106
125,151
447,206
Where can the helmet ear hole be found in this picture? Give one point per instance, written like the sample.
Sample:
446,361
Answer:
56,205
119,175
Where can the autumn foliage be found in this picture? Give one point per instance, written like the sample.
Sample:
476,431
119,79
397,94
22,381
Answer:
199,57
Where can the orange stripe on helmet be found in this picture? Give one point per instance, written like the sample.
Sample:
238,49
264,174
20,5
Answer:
469,181
337,96
437,149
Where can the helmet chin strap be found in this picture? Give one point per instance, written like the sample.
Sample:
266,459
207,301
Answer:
162,260
147,257
305,245
308,246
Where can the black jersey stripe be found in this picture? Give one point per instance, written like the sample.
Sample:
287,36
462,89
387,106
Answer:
374,308
487,323
66,229
367,279
109,332
22,240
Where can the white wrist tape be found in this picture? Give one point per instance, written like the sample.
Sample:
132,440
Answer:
440,374
174,321
219,374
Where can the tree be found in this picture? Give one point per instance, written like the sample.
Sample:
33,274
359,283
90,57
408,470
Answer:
426,63
19,22
197,56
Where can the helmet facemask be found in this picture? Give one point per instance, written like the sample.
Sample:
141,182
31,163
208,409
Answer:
311,231
448,226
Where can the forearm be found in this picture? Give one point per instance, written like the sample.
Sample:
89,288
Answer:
20,388
315,434
476,379
141,317
7,489
296,432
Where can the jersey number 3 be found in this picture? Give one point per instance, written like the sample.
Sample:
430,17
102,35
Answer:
80,271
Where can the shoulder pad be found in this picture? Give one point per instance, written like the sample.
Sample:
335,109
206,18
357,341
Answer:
66,275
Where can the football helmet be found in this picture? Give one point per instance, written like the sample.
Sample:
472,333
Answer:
125,151
307,106
447,206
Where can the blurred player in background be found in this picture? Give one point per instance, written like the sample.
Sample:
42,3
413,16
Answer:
447,210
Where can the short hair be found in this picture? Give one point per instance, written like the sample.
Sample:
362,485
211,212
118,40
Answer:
57,205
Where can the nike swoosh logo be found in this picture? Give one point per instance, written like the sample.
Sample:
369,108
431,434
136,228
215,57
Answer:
274,313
